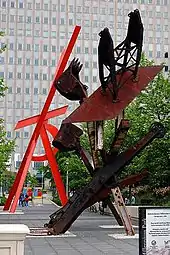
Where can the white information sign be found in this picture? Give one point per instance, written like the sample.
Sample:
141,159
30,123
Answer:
158,231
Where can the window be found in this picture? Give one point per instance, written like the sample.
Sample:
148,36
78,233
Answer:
86,9
111,11
12,4
37,6
30,6
150,54
70,22
18,104
53,62
36,76
95,51
1,74
19,46
27,76
53,34
11,60
12,18
37,19
45,20
44,62
70,8
95,23
46,7
45,48
86,79
18,90
19,61
86,64
35,91
62,21
54,21
166,28
79,9
45,34
37,33
53,48
36,62
158,54
150,1
54,6
103,11
44,91
78,50
1,60
36,47
27,105
20,19
21,5
3,17
29,19
10,90
95,10
28,47
19,75
94,79
26,134
17,135
27,91
8,134
11,46
10,75
11,31
165,2
86,50
61,48
158,2
4,4
44,76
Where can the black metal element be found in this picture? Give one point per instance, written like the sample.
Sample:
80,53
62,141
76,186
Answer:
69,84
64,217
125,57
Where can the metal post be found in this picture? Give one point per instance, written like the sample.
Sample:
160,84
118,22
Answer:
42,185
67,185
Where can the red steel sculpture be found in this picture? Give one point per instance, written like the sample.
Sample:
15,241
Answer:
40,129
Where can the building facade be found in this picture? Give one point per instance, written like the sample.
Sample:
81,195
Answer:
36,31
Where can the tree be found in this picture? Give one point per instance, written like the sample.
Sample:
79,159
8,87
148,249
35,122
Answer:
6,146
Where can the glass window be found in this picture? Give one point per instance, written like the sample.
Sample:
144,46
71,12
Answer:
26,134
35,91
36,76
94,79
18,104
36,47
45,48
27,105
94,50
29,19
12,18
53,34
19,46
53,48
62,21
45,34
78,50
28,47
44,76
53,62
45,20
70,8
86,64
19,75
86,79
95,10
11,46
20,19
18,90
37,33
19,61
36,62
1,60
54,6
62,8
86,50
44,62
1,74
3,4
79,9
12,4
70,22
54,21
150,54
11,60
27,76
44,91
17,135
37,19
37,6
158,54
11,31
21,5
10,90
10,75
30,6
27,91
46,7
86,9
3,17
8,134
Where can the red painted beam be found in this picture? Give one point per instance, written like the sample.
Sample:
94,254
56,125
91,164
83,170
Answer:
34,119
101,107
22,172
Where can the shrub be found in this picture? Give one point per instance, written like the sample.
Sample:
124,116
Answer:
2,200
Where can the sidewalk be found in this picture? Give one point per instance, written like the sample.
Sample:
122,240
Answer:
91,234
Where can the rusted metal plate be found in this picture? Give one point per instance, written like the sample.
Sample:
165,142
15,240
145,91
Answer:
101,107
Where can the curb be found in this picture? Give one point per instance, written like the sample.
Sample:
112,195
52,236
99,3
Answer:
54,203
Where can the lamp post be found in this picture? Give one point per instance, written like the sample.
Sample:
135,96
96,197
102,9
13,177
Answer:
67,180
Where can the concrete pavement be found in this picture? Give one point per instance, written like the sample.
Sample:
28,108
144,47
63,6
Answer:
85,237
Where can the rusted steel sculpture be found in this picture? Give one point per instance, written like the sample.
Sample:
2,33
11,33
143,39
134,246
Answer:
123,83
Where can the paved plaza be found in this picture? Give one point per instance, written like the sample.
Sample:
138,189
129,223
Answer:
91,234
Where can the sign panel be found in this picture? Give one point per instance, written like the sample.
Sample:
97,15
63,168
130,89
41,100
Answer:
154,231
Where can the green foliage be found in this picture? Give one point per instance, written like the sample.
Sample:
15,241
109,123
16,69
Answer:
31,180
2,200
